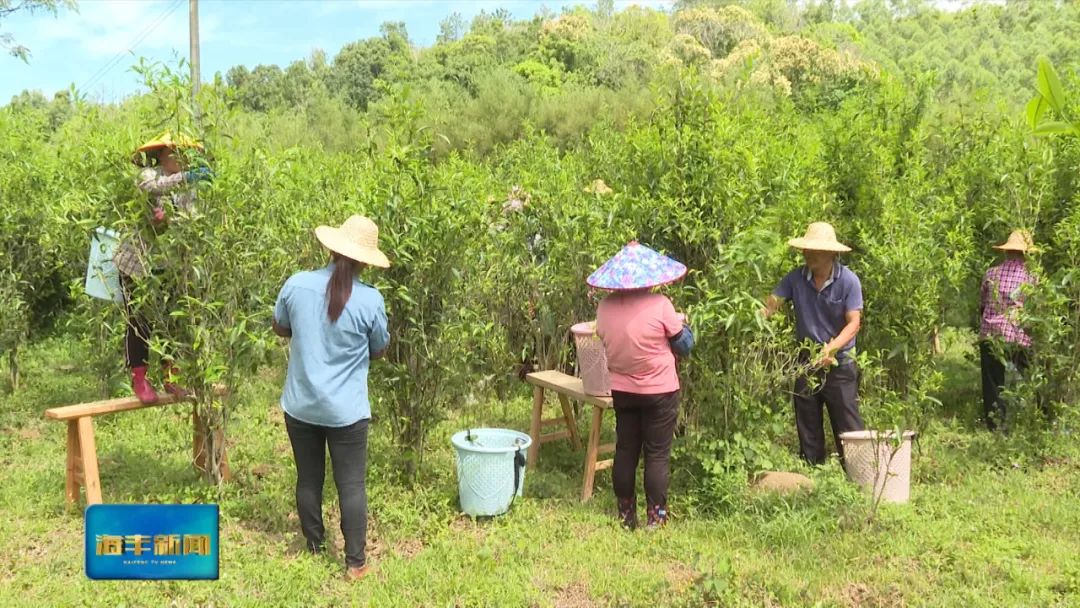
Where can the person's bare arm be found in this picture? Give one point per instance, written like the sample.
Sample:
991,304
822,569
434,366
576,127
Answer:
284,332
772,304
854,322
152,182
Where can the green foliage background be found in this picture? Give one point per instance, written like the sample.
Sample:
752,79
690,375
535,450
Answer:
722,129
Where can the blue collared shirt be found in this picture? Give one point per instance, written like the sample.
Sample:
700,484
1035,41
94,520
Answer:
821,315
326,383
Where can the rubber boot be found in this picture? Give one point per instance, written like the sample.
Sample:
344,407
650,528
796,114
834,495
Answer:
143,390
658,517
628,512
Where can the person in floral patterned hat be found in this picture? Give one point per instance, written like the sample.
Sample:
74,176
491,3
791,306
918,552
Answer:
642,334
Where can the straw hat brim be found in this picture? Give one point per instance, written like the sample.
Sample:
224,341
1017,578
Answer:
335,240
818,245
1020,248
160,143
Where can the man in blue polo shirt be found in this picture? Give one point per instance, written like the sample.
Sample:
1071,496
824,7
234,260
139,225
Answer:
828,302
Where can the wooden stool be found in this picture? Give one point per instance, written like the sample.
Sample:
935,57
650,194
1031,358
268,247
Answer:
82,460
569,388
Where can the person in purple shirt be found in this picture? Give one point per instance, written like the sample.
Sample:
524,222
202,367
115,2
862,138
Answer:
1001,337
828,302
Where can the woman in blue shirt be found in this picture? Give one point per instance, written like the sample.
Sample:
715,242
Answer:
337,326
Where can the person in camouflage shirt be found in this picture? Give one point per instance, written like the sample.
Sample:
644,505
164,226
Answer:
171,191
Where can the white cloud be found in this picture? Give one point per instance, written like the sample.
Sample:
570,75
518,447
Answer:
104,28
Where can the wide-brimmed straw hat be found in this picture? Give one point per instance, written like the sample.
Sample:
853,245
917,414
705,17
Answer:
636,267
1019,240
161,142
356,239
820,236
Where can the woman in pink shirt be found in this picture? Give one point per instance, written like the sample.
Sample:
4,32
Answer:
642,334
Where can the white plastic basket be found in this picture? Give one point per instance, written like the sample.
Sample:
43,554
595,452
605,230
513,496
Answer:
874,460
489,462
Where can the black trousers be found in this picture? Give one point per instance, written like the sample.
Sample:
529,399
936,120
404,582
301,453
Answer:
993,378
838,390
348,455
137,337
644,423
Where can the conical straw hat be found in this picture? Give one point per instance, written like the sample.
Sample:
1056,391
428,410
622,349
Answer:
356,239
1019,240
820,236
636,267
165,140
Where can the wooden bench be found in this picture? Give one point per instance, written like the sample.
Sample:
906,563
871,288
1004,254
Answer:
569,388
82,460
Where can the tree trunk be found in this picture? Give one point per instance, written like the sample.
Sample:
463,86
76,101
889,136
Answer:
13,367
208,449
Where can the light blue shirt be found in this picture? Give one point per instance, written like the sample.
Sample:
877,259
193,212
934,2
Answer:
326,383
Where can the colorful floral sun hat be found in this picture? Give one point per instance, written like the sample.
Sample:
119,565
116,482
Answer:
636,267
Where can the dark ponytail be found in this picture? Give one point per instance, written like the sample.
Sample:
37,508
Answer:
339,288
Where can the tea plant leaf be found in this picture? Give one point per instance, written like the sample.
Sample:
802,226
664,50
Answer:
1049,86
1055,128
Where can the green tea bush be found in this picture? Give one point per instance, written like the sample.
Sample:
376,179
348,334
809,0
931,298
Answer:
484,179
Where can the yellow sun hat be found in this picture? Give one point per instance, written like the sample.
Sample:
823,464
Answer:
1019,240
163,141
820,236
356,239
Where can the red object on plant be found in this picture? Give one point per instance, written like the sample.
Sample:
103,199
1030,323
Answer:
159,214
170,373
143,390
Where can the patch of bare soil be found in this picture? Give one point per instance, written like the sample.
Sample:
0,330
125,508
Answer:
463,525
681,577
859,595
408,548
274,415
575,595
28,433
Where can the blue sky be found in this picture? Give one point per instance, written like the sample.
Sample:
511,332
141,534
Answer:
92,47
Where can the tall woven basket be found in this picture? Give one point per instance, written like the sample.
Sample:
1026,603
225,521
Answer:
592,360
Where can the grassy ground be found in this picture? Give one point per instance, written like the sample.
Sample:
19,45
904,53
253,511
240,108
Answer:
983,528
